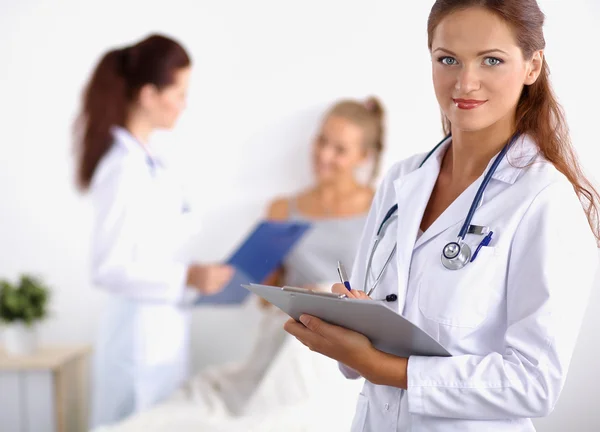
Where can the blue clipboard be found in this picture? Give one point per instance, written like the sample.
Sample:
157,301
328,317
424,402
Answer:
257,257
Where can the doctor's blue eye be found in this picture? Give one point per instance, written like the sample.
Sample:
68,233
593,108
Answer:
448,61
492,61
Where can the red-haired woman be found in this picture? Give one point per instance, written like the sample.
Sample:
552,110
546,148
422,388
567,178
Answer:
496,241
142,350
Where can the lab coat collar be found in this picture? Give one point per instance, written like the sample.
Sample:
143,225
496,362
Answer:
126,140
523,151
414,189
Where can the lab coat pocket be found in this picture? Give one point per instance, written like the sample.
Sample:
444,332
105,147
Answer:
360,414
460,298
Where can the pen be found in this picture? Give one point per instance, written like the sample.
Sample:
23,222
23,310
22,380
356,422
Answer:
486,241
343,276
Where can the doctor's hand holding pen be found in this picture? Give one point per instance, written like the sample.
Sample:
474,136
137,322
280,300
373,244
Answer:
344,286
348,347
209,278
339,288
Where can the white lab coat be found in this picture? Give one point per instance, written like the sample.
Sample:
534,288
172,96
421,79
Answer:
139,236
510,319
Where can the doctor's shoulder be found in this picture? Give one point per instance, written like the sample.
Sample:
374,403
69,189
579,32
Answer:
385,194
400,169
550,195
117,168
403,167
541,174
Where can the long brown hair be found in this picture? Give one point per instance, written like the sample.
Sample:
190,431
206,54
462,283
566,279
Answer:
369,116
113,87
538,112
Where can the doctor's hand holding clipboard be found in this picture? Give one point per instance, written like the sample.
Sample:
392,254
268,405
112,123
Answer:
489,241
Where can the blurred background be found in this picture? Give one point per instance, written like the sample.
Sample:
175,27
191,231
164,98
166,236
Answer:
264,72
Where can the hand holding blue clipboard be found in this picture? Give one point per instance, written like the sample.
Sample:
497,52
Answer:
257,257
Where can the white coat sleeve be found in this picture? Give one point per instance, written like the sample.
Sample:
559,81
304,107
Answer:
119,265
551,269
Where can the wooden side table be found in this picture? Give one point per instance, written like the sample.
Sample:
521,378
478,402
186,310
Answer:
45,392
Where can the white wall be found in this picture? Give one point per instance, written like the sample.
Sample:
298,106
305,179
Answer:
264,73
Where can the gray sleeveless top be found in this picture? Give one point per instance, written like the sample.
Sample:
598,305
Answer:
314,258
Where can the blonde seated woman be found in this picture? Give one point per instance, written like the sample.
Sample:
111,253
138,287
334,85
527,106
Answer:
281,386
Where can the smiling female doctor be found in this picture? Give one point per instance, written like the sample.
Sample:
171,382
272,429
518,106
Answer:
141,226
509,311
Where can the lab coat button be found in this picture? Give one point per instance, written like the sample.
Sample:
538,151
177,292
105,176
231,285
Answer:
387,407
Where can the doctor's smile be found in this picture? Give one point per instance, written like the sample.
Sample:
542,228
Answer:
466,238
468,104
413,270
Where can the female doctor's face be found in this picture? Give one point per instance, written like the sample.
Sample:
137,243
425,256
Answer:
163,106
478,69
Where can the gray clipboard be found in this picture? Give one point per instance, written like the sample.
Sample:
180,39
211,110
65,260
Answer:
387,330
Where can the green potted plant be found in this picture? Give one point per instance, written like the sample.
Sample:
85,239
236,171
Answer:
22,306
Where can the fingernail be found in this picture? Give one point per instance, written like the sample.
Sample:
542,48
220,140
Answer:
304,319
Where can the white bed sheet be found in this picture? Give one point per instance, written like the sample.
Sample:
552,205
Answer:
295,390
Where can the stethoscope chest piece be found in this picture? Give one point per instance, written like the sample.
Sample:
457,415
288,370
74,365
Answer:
456,255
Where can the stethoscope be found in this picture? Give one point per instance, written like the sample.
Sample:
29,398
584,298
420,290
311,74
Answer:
456,254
